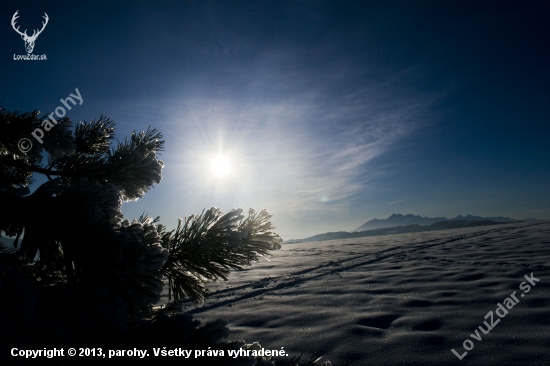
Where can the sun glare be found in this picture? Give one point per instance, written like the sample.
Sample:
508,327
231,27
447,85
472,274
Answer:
221,166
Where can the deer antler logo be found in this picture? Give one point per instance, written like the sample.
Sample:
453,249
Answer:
29,41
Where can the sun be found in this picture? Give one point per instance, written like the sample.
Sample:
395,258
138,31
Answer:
221,166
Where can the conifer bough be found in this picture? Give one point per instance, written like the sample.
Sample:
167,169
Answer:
75,231
82,270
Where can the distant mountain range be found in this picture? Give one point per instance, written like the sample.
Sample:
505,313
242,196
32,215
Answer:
414,228
402,220
399,224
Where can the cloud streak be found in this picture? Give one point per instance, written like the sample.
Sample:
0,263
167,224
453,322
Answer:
307,152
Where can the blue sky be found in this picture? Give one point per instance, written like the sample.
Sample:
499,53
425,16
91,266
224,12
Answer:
330,113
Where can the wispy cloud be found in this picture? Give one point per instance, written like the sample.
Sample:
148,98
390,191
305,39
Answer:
284,154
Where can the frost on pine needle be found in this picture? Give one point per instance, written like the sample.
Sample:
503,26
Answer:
206,247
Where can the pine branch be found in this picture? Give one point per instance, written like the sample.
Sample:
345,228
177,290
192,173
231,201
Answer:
206,247
132,166
93,137
13,127
8,161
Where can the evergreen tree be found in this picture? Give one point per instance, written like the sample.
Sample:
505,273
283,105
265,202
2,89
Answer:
81,268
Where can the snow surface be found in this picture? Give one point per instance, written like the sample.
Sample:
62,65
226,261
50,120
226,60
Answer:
403,299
